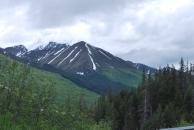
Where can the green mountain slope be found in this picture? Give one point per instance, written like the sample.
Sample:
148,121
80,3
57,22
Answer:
128,77
64,87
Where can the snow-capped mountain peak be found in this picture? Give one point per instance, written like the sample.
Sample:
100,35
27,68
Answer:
40,47
51,45
16,50
79,57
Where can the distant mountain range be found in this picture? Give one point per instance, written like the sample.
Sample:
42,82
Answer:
86,65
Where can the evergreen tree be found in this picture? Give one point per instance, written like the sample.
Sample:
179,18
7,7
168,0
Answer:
100,109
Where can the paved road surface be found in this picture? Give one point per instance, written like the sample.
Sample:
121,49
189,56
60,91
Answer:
180,128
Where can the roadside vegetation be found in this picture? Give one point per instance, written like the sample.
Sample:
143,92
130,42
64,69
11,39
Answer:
29,100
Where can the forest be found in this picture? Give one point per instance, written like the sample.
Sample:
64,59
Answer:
165,99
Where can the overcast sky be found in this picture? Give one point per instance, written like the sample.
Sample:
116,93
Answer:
153,32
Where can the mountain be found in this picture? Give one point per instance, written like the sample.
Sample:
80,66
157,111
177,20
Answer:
86,65
1,50
80,57
43,52
16,50
142,67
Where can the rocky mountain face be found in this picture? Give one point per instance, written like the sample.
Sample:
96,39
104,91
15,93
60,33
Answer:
80,57
16,50
89,66
41,53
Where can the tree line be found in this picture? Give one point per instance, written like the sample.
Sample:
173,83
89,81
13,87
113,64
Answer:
162,100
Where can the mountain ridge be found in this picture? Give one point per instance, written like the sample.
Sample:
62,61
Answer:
85,64
21,51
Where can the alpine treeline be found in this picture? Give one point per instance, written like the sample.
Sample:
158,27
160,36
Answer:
162,100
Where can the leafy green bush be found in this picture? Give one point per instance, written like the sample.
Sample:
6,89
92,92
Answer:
28,101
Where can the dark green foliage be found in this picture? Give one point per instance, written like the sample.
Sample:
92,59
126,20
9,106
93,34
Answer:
162,100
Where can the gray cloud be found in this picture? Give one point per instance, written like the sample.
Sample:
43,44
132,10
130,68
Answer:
154,57
49,13
146,31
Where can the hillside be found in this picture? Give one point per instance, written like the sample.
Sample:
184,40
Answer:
127,77
38,100
64,87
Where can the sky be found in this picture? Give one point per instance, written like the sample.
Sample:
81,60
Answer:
153,32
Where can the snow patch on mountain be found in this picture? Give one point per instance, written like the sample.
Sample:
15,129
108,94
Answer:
51,45
19,54
104,54
39,58
41,47
88,49
92,60
94,65
75,56
80,73
58,55
148,72
47,55
59,51
67,56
